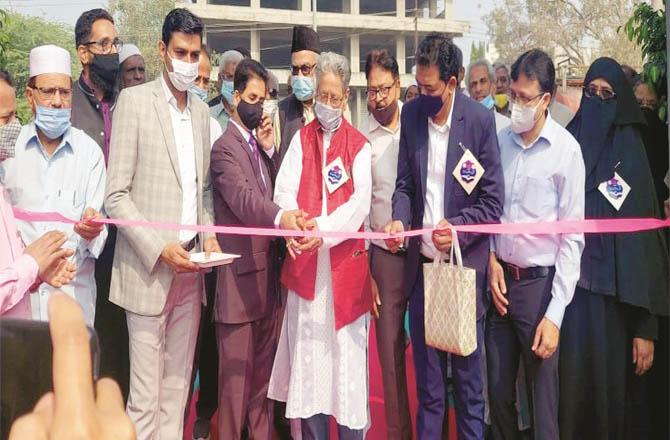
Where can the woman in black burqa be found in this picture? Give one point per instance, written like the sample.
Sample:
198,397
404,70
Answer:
608,333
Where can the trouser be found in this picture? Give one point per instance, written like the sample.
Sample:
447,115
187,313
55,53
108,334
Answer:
207,357
431,374
512,335
317,427
246,354
161,360
110,321
388,271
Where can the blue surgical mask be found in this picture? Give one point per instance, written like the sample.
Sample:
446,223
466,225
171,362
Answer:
488,102
53,122
303,87
200,93
227,91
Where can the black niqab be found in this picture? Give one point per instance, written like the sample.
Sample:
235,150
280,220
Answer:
632,267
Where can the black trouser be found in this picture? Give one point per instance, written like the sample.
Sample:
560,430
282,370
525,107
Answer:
512,335
207,356
110,321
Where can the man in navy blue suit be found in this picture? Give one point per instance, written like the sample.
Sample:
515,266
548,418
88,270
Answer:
449,173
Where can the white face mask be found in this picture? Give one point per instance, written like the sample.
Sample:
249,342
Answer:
329,117
523,118
183,74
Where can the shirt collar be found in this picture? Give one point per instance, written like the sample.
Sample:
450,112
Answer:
245,133
33,140
169,97
548,133
375,125
447,125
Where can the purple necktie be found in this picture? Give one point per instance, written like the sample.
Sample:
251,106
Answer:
254,147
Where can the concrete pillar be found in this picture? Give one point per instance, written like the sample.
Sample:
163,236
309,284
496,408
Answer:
356,117
432,8
305,5
255,45
354,53
400,8
354,7
255,4
448,9
400,52
201,2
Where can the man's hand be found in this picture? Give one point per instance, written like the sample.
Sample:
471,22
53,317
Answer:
86,228
442,236
546,339
394,244
497,285
47,251
74,410
178,259
309,244
264,134
60,273
211,245
643,355
293,220
376,299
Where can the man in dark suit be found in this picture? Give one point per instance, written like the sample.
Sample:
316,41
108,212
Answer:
247,290
449,173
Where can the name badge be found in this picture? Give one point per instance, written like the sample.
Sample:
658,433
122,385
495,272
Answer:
335,175
615,190
468,171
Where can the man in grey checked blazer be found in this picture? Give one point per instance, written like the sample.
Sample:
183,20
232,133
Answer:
159,171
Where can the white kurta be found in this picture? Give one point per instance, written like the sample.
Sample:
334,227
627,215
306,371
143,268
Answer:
319,370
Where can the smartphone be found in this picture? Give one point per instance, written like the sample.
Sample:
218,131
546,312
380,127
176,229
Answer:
26,366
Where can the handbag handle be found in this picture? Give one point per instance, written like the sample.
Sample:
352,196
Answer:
454,251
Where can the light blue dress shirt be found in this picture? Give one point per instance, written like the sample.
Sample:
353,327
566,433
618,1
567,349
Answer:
544,182
68,182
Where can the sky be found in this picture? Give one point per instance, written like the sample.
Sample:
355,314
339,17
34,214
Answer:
67,11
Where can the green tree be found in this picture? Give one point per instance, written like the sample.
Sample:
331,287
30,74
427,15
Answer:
24,33
646,28
578,30
477,51
140,22
4,38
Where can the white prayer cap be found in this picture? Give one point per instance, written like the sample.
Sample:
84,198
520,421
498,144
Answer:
127,51
49,59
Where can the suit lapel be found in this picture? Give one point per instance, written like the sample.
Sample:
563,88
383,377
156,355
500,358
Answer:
244,145
423,145
454,151
198,130
161,106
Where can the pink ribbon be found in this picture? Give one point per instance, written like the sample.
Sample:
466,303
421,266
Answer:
589,226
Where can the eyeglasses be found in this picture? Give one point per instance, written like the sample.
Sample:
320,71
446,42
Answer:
105,45
306,69
522,100
325,98
273,93
48,93
383,92
604,94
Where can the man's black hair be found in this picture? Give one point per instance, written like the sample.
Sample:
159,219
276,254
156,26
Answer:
536,65
181,20
84,26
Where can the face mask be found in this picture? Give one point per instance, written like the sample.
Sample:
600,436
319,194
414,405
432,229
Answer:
200,93
523,118
270,107
183,74
53,122
105,72
329,117
8,135
385,115
250,114
488,102
303,87
227,91
430,104
501,100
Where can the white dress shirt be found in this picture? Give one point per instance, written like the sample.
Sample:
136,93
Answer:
69,181
438,143
182,128
385,146
544,182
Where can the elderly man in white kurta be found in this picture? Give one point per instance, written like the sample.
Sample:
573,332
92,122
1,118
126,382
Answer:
320,369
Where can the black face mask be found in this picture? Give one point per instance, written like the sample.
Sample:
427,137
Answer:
250,114
104,71
385,115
